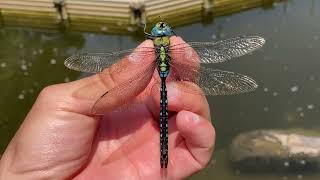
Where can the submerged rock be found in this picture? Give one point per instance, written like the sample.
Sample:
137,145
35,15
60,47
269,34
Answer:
276,150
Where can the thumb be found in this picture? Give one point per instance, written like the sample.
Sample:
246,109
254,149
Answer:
199,135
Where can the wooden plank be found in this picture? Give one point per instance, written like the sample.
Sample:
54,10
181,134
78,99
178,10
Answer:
160,9
102,1
172,5
34,14
97,8
178,12
228,2
94,13
252,3
48,1
27,3
115,4
101,19
230,9
173,10
28,8
149,3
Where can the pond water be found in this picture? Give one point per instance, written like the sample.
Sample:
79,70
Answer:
286,69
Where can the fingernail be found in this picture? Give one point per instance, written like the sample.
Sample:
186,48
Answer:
172,91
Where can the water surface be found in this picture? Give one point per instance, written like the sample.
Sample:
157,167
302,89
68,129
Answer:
286,69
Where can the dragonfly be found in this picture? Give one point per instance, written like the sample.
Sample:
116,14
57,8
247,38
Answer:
185,63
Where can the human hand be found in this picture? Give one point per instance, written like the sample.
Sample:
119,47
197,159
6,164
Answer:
60,139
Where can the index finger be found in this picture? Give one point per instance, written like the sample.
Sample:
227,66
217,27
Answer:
91,88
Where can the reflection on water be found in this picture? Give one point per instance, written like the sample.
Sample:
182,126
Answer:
286,69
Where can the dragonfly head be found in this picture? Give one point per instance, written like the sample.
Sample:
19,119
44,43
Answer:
161,29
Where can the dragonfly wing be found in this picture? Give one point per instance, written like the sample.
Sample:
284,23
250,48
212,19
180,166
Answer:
220,51
125,92
97,62
211,81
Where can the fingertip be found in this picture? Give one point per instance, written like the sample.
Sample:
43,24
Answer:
199,135
187,121
197,131
146,43
176,40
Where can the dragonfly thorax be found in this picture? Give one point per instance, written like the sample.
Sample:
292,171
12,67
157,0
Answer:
162,44
161,41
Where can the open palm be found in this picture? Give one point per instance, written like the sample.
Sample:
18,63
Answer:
60,139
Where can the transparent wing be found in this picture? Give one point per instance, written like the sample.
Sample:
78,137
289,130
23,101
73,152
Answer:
220,51
211,81
125,92
96,62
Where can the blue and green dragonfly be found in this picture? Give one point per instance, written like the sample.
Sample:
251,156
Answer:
184,62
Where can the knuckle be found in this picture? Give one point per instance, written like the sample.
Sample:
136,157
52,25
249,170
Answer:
49,91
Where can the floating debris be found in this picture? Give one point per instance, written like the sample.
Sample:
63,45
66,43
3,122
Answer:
301,114
214,36
53,61
31,91
34,52
275,94
265,89
286,164
299,109
24,67
300,176
21,96
265,109
40,51
294,88
3,65
310,106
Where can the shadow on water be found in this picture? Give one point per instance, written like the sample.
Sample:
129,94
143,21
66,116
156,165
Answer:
286,69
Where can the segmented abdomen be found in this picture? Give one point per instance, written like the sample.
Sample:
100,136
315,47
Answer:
163,124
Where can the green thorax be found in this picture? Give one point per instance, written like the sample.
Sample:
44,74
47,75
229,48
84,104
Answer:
161,41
